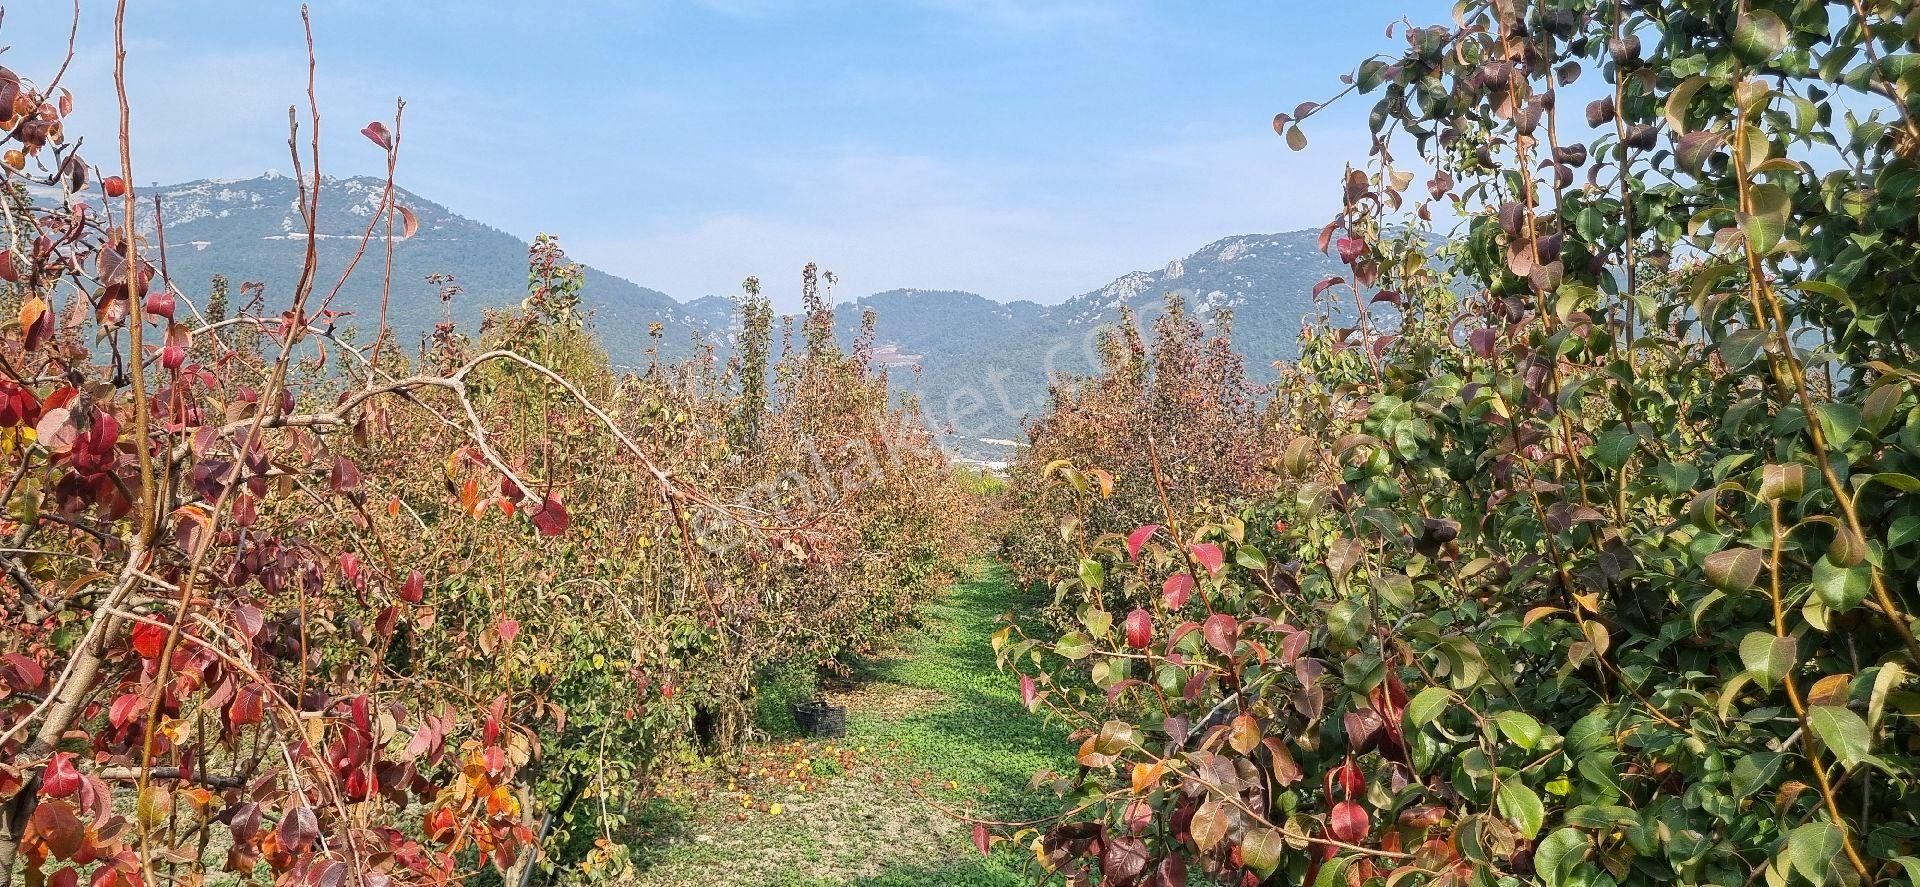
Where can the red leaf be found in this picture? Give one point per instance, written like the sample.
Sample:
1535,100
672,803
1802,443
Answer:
1123,860
1481,341
125,708
409,222
1293,647
248,619
496,713
346,475
509,629
149,639
1210,556
1175,591
1350,822
413,591
1029,691
160,303
298,829
1350,248
1137,539
552,518
21,672
510,490
376,132
1139,627
247,707
61,778
1348,778
1221,632
59,829
982,840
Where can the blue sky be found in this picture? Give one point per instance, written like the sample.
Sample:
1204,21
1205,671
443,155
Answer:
1017,148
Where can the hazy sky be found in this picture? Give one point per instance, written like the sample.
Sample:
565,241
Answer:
1016,148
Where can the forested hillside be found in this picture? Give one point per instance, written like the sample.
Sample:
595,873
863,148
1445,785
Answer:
979,366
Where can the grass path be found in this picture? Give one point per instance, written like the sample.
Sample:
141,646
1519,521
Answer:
936,714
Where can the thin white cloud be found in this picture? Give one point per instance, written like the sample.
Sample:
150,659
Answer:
884,220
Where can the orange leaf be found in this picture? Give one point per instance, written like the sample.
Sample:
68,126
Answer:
1245,735
1146,775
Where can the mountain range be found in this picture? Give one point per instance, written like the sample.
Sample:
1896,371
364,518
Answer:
978,365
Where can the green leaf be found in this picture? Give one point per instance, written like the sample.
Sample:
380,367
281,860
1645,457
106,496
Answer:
1755,772
1369,75
1097,621
1767,224
1880,405
1885,679
1558,853
1841,731
1905,483
1838,421
1598,770
1074,646
1261,849
1601,816
1904,530
1679,99
1768,658
1841,588
1521,806
1395,590
1910,865
1813,849
1742,347
1334,873
1519,727
1590,733
1250,557
1615,446
1347,623
1759,36
1092,574
1427,705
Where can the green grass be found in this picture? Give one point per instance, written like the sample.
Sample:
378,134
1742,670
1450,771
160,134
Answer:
935,712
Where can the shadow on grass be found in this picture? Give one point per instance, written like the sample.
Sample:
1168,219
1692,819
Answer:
660,824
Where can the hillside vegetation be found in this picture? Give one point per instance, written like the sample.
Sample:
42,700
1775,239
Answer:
979,367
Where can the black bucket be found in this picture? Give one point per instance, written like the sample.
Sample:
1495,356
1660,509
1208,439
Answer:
818,719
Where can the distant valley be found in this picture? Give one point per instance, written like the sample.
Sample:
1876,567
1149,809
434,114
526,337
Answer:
978,365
